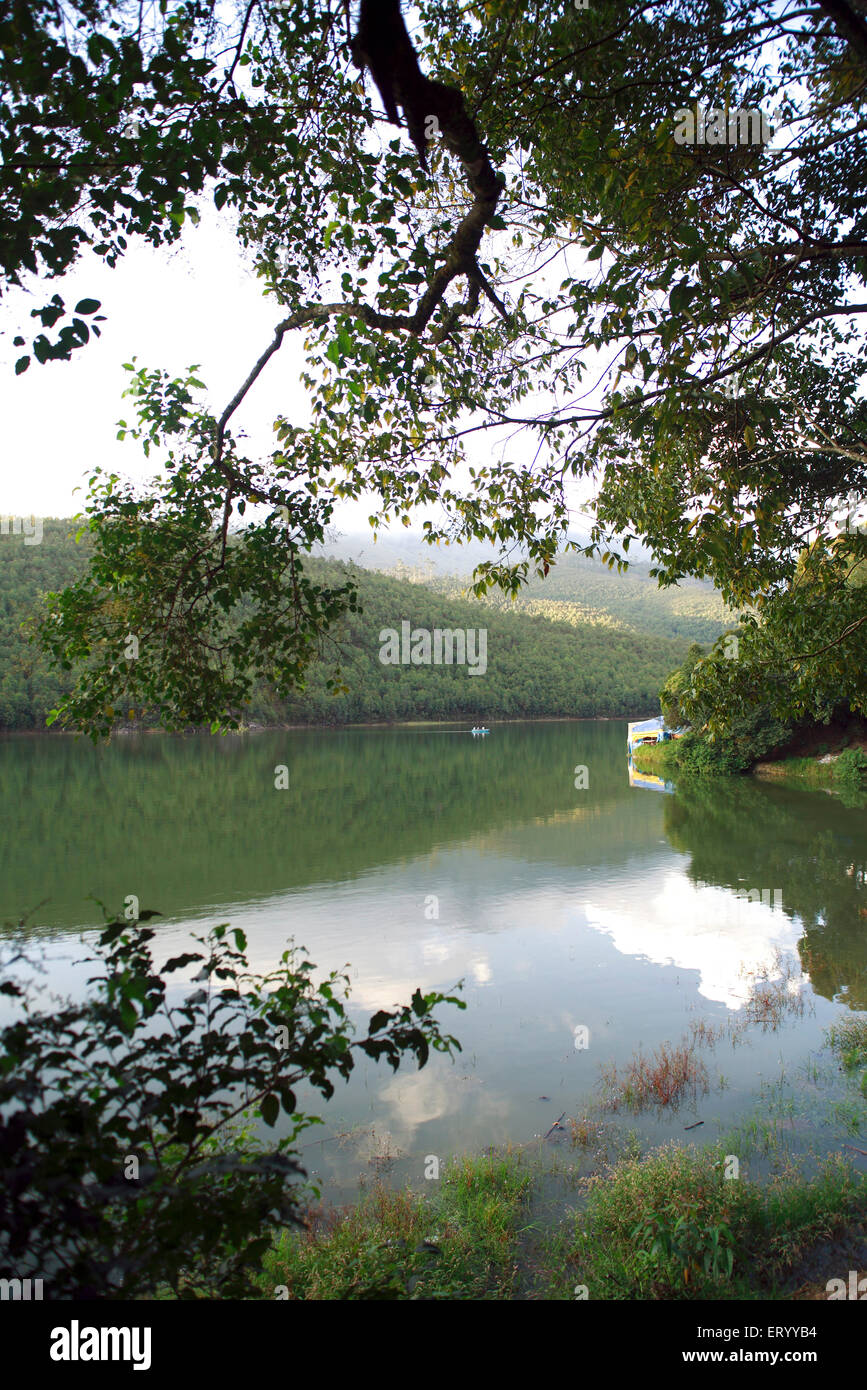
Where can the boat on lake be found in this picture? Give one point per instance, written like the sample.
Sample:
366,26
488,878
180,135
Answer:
479,731
649,731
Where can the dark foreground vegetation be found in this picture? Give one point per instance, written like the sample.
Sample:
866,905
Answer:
123,1171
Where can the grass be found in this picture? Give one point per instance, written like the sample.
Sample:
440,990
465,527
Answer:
848,1040
668,1077
673,1226
845,774
657,758
706,1034
677,1223
457,1242
585,1131
800,770
775,992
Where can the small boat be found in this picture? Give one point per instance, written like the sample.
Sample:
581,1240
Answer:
479,731
650,731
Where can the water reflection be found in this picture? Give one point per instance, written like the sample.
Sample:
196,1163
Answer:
647,780
671,921
746,835
414,860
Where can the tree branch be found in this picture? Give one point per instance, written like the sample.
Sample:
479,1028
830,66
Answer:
849,25
424,101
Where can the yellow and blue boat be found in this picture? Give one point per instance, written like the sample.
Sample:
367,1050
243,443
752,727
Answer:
649,731
644,731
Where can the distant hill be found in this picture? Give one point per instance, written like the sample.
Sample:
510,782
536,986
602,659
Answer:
405,547
580,666
691,610
535,667
577,590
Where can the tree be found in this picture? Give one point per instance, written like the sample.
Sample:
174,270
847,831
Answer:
803,661
576,225
123,1171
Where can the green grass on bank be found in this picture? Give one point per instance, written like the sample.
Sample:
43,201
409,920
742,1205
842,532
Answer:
458,1242
674,1224
848,769
657,758
846,773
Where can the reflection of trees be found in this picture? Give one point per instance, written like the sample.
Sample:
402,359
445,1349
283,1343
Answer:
189,823
746,834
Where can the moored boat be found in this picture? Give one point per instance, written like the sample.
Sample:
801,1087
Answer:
649,731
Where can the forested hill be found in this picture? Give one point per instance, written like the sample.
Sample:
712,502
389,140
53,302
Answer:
577,589
534,666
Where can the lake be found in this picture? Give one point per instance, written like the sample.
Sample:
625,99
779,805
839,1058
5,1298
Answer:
420,856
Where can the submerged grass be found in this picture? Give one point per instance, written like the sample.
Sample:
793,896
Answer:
848,1039
775,992
668,1077
677,1223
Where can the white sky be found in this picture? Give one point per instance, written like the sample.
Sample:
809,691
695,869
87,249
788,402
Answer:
170,307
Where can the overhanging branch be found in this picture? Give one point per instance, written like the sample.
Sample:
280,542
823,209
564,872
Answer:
426,103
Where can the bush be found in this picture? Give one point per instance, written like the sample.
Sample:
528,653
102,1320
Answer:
850,769
749,739
122,1173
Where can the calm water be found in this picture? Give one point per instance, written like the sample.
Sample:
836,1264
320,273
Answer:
422,856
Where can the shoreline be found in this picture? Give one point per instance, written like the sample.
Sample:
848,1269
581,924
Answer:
130,730
822,771
529,1223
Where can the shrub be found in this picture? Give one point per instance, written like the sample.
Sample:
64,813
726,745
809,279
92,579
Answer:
120,1172
850,769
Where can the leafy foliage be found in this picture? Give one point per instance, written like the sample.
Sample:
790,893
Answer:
677,1237
851,769
787,665
120,1172
676,322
